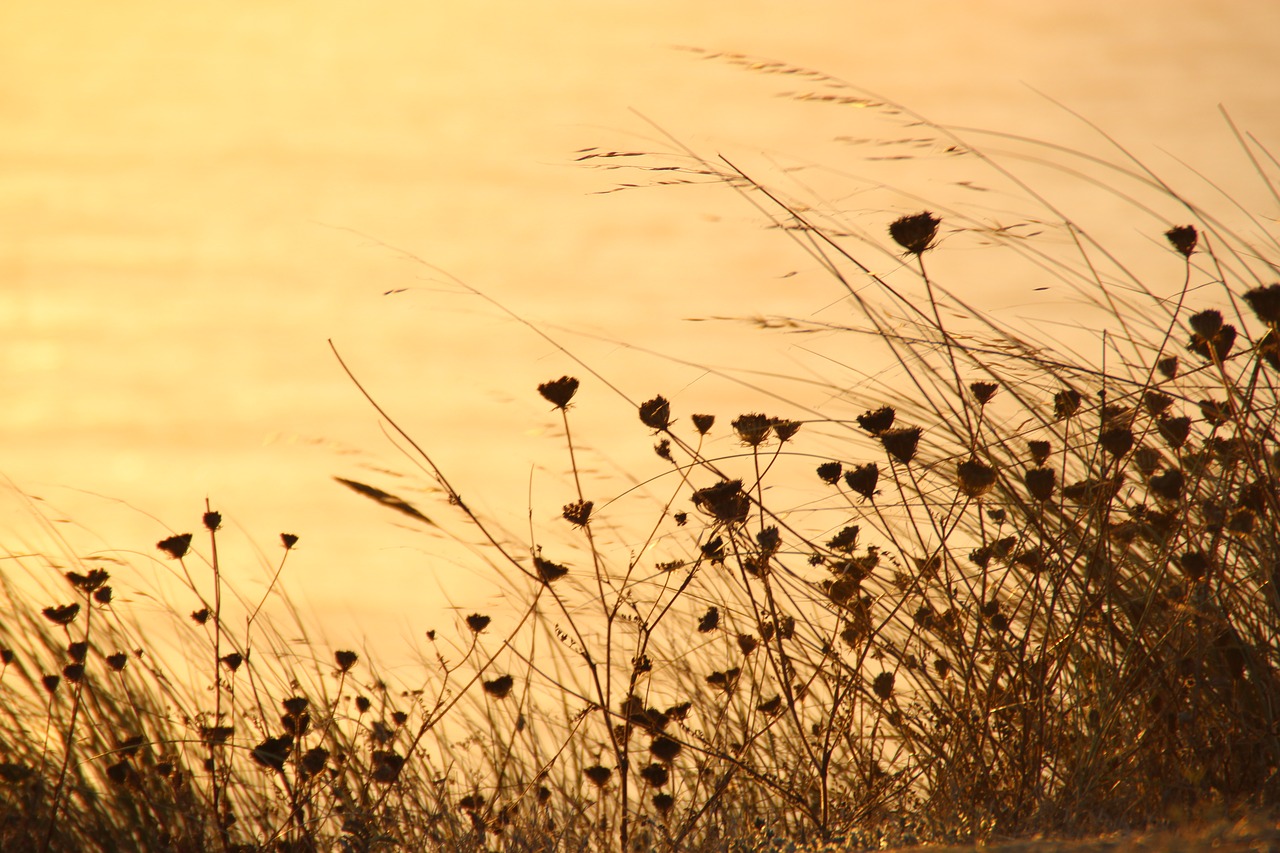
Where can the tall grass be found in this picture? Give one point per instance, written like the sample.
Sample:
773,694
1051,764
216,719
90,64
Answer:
1022,590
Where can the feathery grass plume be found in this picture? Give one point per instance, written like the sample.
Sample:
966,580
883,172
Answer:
560,391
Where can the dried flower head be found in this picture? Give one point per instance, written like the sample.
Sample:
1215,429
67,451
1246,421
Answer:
102,595
846,540
830,472
726,680
63,615
883,685
725,501
877,420
982,391
1183,238
915,233
656,413
288,540
578,512
1066,403
1265,302
345,660
1194,564
785,429
273,752
200,616
863,479
598,775
655,775
117,661
1212,339
1215,412
901,442
1168,366
176,546
975,477
665,749
78,650
753,430
232,661
747,643
1117,441
702,423
87,582
1040,451
212,520
1040,483
710,620
500,687
1174,431
549,571
558,392
477,623
663,803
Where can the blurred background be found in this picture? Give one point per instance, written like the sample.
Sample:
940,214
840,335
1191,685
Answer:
196,198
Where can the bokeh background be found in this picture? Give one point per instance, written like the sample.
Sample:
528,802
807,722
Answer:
195,198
